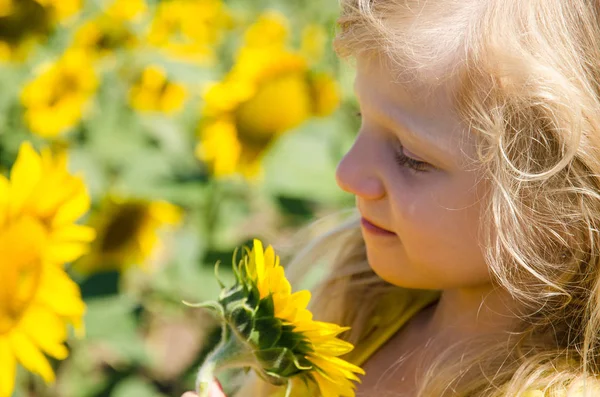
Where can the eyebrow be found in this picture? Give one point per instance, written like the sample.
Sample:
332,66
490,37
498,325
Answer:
409,130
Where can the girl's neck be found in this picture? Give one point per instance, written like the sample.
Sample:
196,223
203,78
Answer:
467,312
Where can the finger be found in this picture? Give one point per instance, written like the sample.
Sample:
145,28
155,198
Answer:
190,394
216,390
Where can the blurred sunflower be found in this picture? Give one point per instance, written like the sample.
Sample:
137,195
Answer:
269,90
55,99
189,30
103,35
42,188
38,207
37,302
23,24
154,92
127,10
128,234
314,39
61,9
111,30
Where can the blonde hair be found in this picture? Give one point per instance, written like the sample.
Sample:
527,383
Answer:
525,77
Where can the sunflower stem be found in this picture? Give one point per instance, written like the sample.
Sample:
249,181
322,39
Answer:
231,352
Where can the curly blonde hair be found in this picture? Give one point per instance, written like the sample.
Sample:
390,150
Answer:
526,80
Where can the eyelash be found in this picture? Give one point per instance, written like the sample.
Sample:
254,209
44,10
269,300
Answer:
405,161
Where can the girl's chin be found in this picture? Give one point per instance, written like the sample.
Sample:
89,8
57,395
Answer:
400,276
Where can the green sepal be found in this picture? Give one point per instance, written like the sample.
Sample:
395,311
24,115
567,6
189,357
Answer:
280,361
240,316
221,284
232,294
215,307
266,332
266,307
294,341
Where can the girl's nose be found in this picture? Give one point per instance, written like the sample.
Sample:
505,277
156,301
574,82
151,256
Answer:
356,172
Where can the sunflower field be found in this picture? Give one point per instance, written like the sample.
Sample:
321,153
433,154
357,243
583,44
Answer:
141,142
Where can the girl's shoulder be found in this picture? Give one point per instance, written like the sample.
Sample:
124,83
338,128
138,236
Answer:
392,311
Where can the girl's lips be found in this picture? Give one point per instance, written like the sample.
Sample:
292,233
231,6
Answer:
374,229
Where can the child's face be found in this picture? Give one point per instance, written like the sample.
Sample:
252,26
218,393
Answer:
431,214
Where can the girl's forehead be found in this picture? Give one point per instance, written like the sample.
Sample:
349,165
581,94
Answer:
378,78
421,109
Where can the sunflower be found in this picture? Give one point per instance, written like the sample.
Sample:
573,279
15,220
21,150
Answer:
189,30
56,99
103,35
270,90
127,10
127,233
62,9
154,92
42,188
38,207
22,25
37,302
270,329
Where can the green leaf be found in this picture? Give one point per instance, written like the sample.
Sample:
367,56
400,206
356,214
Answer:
112,322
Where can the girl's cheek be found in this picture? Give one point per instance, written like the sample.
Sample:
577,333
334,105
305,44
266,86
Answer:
411,212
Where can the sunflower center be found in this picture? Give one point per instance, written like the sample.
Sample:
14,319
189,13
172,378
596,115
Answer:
123,227
279,105
67,83
113,39
20,246
23,19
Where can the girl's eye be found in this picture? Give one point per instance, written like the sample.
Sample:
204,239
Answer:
405,161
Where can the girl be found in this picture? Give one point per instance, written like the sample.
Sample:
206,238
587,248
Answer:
473,266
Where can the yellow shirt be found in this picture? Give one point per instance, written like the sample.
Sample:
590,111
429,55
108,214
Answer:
392,312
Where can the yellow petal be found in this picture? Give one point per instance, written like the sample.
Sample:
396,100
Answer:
59,253
30,356
333,347
72,211
46,331
165,212
74,232
4,198
259,263
24,176
60,294
329,388
7,368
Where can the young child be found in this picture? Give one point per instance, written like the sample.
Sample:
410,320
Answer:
473,266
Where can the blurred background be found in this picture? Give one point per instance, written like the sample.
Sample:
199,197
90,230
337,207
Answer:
196,125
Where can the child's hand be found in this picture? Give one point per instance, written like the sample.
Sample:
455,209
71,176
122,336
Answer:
215,391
